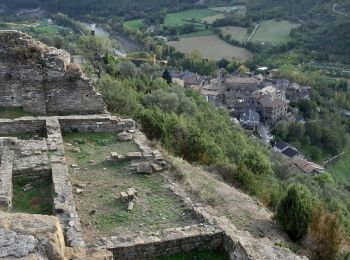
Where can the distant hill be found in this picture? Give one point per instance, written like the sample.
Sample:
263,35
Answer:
325,27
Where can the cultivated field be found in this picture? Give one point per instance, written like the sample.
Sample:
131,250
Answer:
177,19
211,47
274,31
134,24
236,32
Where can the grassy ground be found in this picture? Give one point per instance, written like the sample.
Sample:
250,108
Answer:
155,207
13,112
236,32
213,18
134,24
177,19
196,34
274,31
197,255
226,8
211,47
340,169
38,200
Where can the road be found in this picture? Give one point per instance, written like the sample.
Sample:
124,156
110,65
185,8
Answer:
264,133
334,9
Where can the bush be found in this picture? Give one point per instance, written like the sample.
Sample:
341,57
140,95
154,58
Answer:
73,71
325,234
295,211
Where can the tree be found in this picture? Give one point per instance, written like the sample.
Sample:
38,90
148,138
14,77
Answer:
325,234
94,49
167,77
295,211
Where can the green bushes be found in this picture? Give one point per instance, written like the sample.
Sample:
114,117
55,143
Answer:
295,211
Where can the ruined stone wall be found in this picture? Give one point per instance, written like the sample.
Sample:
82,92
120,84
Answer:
22,126
95,123
5,174
170,242
35,77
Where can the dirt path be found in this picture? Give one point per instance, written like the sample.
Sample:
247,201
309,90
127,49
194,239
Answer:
244,212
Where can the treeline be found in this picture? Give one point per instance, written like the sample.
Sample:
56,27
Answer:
125,8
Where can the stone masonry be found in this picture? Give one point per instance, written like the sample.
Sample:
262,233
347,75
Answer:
41,79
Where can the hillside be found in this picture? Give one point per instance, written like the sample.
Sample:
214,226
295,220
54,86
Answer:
323,28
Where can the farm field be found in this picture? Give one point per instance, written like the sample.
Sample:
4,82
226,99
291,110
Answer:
236,32
227,8
340,169
134,24
177,19
211,47
274,31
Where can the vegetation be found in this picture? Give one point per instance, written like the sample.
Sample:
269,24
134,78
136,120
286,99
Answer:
274,31
35,198
295,211
210,47
155,206
13,112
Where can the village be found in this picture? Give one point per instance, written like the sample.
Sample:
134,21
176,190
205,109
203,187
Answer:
256,101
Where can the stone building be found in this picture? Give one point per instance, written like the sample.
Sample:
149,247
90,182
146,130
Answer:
41,80
272,109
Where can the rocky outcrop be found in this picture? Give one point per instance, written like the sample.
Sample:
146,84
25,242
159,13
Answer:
42,80
27,236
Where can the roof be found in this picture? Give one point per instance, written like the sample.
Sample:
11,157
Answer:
282,145
290,152
241,80
267,101
308,167
249,116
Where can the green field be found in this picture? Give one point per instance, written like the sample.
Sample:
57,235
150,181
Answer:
211,47
274,31
196,34
340,169
236,32
134,24
177,19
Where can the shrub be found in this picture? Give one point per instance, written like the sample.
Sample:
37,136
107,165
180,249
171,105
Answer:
325,234
295,211
73,71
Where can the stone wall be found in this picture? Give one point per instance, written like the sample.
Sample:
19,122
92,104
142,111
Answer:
35,77
5,174
95,123
22,126
166,242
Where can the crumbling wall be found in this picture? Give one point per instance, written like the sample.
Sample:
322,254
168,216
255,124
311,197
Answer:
167,242
41,79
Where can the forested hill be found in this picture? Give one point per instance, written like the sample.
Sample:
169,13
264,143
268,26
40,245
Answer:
325,23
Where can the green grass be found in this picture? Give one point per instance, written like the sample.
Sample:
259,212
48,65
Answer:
134,24
156,207
96,146
196,34
226,8
13,112
272,31
46,29
197,255
38,200
236,32
177,19
340,169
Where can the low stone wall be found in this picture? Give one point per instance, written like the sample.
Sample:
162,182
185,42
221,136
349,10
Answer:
22,126
5,174
166,242
95,123
64,204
